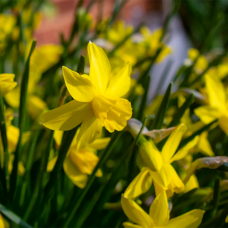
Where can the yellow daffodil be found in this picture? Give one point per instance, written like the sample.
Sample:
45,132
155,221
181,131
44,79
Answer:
152,43
78,164
96,101
156,166
217,104
6,83
201,63
3,222
159,215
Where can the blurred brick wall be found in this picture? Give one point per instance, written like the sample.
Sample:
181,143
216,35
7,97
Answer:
49,30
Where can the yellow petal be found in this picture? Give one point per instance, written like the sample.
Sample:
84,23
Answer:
185,150
192,219
163,177
99,144
191,184
216,92
141,184
66,117
79,86
130,225
51,164
204,145
72,171
7,83
35,106
12,137
173,142
223,123
207,114
150,156
113,111
176,184
2,222
89,131
58,135
100,69
120,83
135,213
13,97
159,210
84,160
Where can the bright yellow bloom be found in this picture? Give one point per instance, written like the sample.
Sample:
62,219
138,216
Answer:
6,83
78,164
152,43
156,166
159,215
201,63
217,107
3,222
96,101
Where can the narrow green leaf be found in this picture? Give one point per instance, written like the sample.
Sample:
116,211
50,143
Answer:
177,117
105,154
13,217
4,143
160,115
22,119
191,137
215,199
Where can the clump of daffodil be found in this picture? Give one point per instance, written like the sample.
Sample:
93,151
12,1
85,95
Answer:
97,99
6,83
217,104
78,164
156,166
159,215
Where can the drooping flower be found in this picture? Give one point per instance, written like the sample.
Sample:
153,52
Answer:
159,215
156,166
97,99
78,164
217,104
6,83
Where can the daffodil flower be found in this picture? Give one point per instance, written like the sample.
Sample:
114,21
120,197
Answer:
78,164
96,101
217,104
159,215
6,83
156,166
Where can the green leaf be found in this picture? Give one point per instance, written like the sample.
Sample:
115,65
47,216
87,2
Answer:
160,115
22,119
4,143
13,217
177,117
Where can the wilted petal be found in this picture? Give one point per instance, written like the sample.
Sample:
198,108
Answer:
79,86
67,116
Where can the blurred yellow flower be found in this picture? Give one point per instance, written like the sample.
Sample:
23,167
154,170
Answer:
3,222
217,104
156,166
159,215
96,101
6,83
78,164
